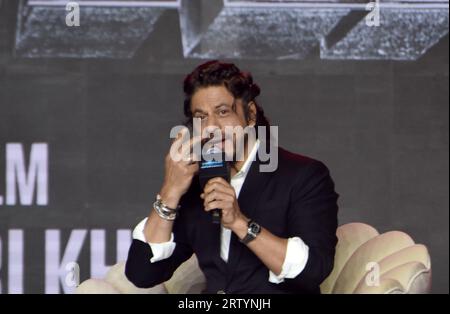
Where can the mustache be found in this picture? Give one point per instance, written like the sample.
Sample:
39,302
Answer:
211,140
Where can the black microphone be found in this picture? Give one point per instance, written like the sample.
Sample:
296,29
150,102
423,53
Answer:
213,165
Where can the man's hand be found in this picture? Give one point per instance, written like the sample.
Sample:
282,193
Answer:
218,193
178,174
177,179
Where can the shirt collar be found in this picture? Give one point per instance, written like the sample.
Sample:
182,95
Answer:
246,166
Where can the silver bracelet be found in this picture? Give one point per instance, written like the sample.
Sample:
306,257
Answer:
162,214
163,210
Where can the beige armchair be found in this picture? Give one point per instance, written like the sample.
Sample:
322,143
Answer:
365,262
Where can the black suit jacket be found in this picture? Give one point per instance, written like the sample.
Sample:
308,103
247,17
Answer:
298,199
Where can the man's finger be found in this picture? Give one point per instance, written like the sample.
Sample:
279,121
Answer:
219,187
178,142
193,168
188,151
219,180
196,155
181,134
217,196
216,204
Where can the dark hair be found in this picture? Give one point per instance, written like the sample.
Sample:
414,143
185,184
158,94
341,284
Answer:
239,84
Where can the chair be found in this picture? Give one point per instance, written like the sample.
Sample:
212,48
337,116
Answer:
366,262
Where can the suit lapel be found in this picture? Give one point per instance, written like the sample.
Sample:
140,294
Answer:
248,202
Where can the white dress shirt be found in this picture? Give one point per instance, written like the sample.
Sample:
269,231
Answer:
296,251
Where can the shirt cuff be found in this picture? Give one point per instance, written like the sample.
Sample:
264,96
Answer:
161,250
295,261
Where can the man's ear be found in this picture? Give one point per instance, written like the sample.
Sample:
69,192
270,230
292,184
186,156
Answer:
252,113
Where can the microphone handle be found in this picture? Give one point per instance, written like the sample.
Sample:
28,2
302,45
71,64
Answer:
216,216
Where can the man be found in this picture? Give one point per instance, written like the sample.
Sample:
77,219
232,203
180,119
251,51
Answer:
277,231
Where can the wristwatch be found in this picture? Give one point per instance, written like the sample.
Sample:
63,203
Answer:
253,229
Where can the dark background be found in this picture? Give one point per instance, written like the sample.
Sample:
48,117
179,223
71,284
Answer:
380,126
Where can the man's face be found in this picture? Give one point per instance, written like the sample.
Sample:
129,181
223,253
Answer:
215,106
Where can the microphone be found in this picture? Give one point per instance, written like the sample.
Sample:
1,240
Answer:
213,165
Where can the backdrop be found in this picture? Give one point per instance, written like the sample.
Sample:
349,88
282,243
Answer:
87,102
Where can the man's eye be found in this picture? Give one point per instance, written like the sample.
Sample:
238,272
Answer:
223,112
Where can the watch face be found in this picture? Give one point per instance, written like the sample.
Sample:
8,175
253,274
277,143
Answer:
254,228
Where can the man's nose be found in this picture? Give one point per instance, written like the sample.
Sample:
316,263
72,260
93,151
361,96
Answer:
211,126
211,122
